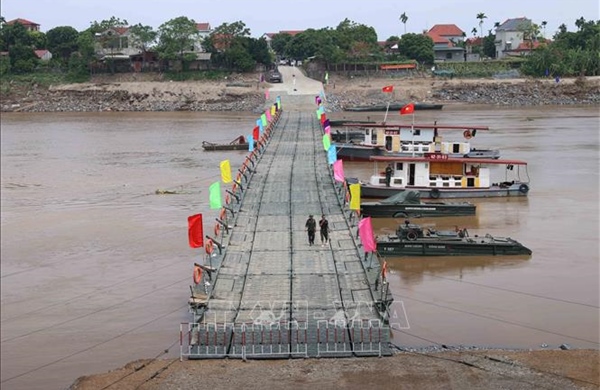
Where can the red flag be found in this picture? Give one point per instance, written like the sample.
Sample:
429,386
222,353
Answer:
408,109
256,133
195,232
388,88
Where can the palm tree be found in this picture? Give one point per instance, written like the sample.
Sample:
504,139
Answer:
481,16
474,31
544,23
404,19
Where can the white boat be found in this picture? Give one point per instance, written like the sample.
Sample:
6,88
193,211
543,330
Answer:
401,140
437,175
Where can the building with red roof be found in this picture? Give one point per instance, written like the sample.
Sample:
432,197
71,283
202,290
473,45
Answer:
29,25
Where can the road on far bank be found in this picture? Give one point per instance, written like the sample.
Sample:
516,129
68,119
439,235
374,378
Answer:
296,90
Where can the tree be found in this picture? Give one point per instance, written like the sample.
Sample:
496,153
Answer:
62,41
38,40
474,31
481,16
404,19
489,45
418,47
279,43
142,37
177,36
14,34
100,27
543,24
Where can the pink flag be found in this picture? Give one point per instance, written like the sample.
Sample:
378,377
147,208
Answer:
338,171
327,129
365,232
266,94
268,112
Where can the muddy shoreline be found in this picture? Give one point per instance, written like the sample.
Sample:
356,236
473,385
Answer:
244,93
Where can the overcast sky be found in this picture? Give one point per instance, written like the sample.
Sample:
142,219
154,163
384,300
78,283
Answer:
263,16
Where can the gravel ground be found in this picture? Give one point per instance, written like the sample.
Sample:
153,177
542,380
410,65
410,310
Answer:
487,369
245,93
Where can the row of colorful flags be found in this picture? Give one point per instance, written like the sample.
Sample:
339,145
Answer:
365,227
215,199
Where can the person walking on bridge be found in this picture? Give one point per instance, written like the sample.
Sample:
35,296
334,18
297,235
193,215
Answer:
324,226
311,228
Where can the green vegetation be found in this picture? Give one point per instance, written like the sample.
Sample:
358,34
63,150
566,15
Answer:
350,45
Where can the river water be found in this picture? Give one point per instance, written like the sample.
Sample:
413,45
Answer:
95,266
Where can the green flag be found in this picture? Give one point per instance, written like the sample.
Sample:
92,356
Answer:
326,141
214,195
263,118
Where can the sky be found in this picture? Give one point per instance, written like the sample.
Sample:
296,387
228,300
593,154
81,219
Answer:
271,16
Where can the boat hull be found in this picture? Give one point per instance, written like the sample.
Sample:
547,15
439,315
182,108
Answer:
476,246
395,107
353,152
375,210
517,189
215,147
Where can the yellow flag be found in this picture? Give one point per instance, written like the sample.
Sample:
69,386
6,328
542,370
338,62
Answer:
225,172
355,196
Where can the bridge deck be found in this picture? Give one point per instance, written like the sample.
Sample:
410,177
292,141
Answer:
274,295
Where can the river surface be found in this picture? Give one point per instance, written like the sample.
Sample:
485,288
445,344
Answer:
95,266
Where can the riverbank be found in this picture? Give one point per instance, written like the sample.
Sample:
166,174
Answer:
147,92
484,369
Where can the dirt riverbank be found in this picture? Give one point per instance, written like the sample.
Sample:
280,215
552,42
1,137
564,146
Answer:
486,369
147,92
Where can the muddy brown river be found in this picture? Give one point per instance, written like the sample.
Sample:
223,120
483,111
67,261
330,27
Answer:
95,266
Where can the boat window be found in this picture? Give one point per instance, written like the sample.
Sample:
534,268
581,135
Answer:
455,148
399,166
417,132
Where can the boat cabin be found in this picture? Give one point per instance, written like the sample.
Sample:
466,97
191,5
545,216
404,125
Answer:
438,170
419,139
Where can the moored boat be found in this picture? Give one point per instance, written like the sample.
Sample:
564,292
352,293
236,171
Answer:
239,143
408,204
395,107
440,176
411,140
413,240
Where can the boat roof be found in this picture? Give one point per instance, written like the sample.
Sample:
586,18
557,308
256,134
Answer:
416,126
465,160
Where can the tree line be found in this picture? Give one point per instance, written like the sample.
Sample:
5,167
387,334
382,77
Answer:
233,49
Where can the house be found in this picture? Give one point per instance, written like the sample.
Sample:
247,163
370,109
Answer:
204,30
510,35
43,55
116,43
446,42
449,31
30,26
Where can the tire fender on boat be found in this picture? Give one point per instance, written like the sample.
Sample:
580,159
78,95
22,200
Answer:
467,134
524,188
435,193
412,235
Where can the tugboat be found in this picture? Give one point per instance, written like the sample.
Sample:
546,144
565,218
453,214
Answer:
413,240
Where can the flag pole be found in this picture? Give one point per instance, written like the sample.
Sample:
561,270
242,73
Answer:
412,130
386,112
